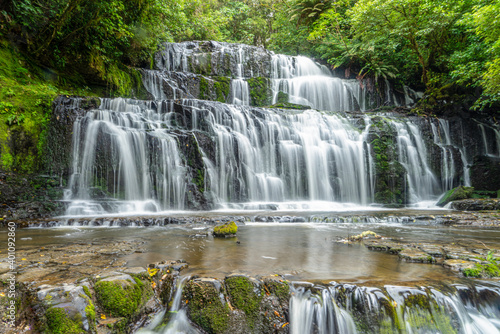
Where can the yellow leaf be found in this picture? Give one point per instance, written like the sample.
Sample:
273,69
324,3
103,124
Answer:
103,316
23,259
286,323
152,271
153,285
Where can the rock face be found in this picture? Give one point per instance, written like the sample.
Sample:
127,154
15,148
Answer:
485,173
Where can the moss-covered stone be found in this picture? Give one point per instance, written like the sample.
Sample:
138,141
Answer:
455,194
59,322
205,307
120,297
244,296
260,91
226,229
280,289
390,181
222,88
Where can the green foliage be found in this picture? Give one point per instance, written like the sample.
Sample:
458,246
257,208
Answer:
489,267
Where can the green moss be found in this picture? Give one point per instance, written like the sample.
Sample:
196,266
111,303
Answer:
282,97
260,92
225,229
205,307
222,85
244,297
90,313
279,289
390,310
390,174
455,194
288,105
58,322
200,180
87,291
204,89
472,272
121,298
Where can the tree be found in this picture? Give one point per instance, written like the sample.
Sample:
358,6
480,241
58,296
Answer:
422,26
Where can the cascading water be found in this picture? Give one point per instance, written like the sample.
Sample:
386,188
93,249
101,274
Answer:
179,322
412,153
131,156
312,85
273,157
348,309
442,138
239,87
491,147
124,157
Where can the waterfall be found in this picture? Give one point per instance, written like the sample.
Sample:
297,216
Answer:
491,148
412,153
273,157
179,322
344,308
239,87
122,154
320,314
312,85
443,140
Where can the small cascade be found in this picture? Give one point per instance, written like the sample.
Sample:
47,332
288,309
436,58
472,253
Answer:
491,147
239,87
412,153
314,313
309,84
344,308
178,322
443,140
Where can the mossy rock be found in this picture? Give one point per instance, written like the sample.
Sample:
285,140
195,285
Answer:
61,322
289,105
245,296
205,306
225,230
260,91
455,194
121,297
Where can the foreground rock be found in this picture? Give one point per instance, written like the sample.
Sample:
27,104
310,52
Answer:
468,257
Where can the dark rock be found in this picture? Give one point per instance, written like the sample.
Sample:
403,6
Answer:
485,173
476,205
455,194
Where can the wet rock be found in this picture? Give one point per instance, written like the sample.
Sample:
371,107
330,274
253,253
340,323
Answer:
476,205
485,173
67,307
415,255
455,194
458,265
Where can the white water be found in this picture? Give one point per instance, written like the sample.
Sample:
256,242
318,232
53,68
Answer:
279,157
310,84
239,87
179,322
331,310
412,153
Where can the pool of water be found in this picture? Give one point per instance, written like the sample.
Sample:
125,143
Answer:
302,251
